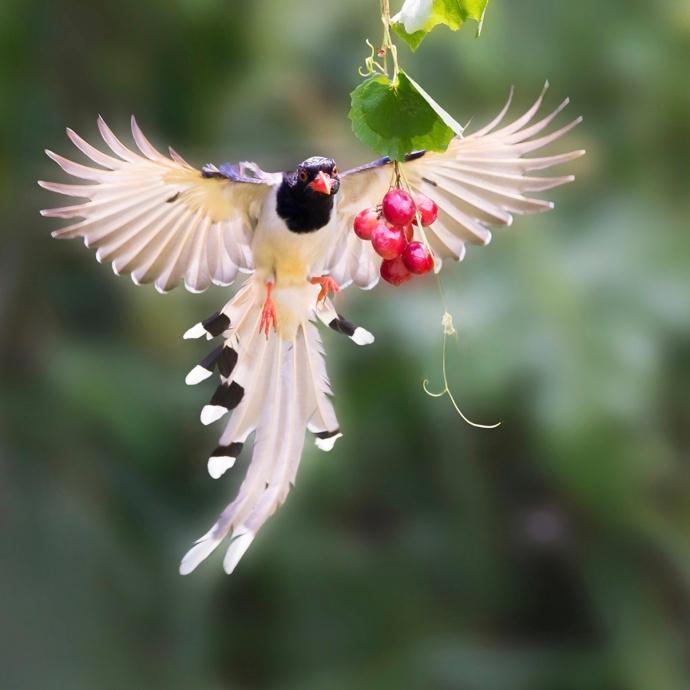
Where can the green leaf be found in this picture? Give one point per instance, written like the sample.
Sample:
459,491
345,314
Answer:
418,17
445,116
396,118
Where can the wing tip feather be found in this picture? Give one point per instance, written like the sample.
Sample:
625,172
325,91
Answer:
164,288
241,541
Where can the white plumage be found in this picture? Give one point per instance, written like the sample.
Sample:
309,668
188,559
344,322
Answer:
160,220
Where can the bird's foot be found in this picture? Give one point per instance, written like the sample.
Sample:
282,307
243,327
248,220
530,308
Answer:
328,285
269,318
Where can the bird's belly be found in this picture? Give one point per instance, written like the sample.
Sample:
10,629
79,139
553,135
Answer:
288,256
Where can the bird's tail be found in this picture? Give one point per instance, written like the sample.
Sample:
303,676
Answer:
275,387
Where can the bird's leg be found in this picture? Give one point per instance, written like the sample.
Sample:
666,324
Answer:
327,285
269,318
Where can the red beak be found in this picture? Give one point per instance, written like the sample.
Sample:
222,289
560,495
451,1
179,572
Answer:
322,183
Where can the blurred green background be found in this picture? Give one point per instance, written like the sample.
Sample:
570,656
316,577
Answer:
550,554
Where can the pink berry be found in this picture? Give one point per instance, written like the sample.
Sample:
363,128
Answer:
395,272
388,242
365,222
428,211
417,258
398,207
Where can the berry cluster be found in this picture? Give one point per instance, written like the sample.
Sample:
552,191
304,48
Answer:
390,228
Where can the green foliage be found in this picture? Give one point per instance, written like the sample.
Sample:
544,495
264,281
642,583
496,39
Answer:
416,19
394,118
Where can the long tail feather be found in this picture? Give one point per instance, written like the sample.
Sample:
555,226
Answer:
274,388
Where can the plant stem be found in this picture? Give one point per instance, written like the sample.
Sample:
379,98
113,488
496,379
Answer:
388,45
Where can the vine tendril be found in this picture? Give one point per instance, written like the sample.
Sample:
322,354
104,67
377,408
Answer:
373,66
449,329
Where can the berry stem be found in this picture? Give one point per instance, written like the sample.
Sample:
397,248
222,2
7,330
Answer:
388,46
401,176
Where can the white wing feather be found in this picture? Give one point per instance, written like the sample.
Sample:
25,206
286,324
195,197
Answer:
157,218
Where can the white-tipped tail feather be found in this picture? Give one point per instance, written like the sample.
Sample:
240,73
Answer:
197,375
212,413
328,316
196,331
219,465
276,388
326,444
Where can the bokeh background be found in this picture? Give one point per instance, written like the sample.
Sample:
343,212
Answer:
550,554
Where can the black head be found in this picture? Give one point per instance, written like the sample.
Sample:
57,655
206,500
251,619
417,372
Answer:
305,198
318,176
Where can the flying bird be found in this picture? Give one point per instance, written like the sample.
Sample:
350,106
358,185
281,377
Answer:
163,221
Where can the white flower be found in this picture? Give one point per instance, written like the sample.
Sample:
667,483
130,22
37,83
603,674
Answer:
414,15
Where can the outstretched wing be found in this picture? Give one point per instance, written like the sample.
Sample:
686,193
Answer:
483,179
159,219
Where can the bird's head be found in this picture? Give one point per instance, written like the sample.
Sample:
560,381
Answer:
317,176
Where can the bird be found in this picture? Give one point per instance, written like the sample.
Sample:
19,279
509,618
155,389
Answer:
289,235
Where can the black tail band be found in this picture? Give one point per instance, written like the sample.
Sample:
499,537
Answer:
216,324
326,434
228,397
226,361
341,325
211,358
230,451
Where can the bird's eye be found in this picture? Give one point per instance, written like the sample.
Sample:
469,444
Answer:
335,170
303,176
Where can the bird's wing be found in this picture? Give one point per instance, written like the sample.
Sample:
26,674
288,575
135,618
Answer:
483,179
159,219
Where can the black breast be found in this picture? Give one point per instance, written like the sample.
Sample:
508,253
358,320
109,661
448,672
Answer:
301,209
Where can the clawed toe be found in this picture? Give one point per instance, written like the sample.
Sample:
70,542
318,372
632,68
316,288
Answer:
269,318
328,285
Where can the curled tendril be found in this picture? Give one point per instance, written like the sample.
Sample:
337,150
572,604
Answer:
449,329
371,65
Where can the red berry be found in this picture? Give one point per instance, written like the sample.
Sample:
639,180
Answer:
365,222
395,272
388,242
398,207
417,258
428,211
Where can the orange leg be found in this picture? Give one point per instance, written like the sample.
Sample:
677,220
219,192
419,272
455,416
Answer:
327,285
269,318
